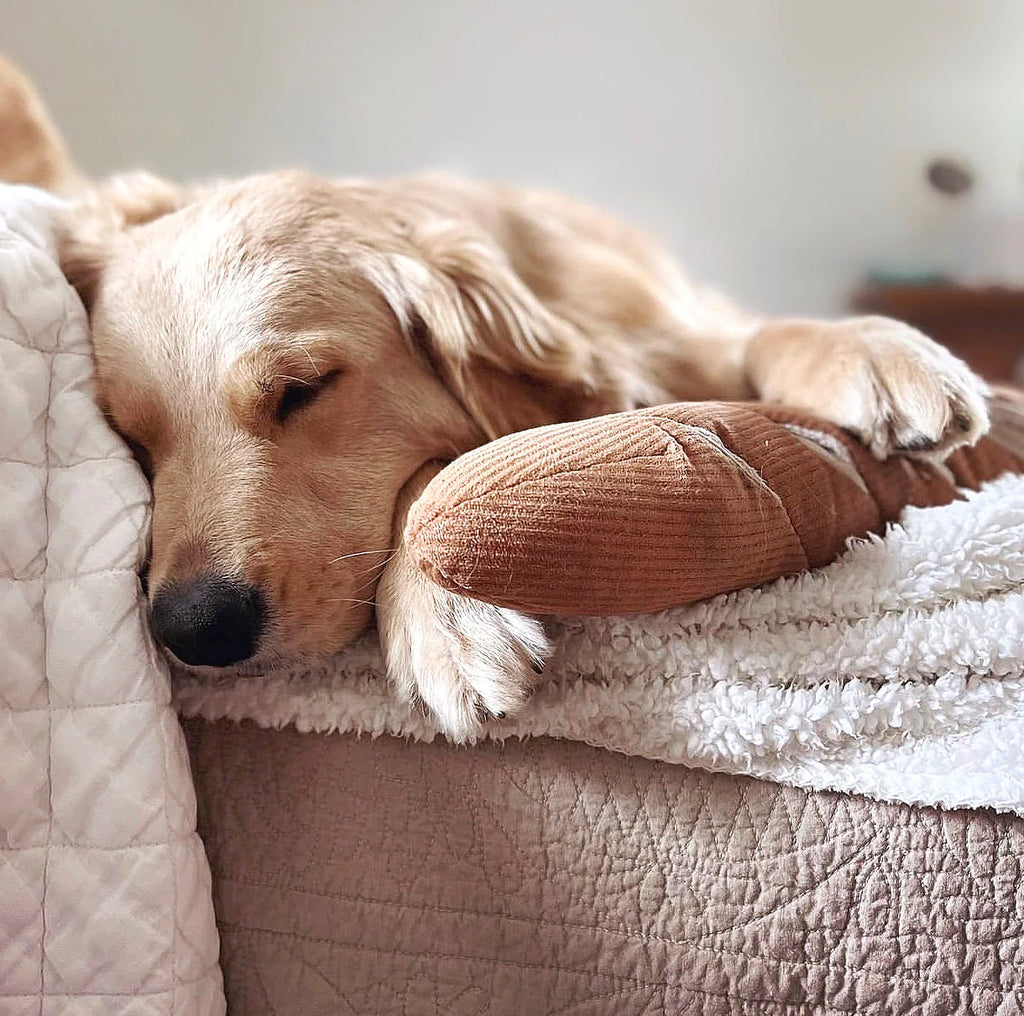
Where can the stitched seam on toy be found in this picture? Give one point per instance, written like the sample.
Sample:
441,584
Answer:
710,437
841,463
745,467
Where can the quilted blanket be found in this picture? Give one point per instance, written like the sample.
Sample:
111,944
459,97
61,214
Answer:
543,876
105,904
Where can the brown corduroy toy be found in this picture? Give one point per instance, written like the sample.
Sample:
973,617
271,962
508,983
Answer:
660,507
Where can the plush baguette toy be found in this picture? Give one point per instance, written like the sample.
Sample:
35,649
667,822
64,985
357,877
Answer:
659,507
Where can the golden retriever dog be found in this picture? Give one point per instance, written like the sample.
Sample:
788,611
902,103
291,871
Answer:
292,357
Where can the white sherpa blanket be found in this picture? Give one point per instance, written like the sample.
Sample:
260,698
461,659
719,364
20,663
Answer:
105,904
897,672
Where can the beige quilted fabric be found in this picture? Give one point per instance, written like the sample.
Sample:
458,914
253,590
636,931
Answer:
384,876
105,903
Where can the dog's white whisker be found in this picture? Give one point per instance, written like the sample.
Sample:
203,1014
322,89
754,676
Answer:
373,567
312,362
363,553
374,570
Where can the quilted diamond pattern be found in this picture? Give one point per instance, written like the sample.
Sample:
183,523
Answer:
74,434
21,1005
105,931
21,889
23,525
545,876
23,400
100,1005
95,803
194,910
22,676
24,778
104,887
95,621
97,511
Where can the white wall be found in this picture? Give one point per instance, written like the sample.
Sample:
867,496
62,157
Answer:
777,146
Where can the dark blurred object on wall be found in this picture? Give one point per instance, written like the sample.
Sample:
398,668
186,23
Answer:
949,176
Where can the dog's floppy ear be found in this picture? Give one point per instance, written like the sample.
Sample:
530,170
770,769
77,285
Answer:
32,150
93,224
510,361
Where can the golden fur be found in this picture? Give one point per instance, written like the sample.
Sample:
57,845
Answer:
31,148
444,313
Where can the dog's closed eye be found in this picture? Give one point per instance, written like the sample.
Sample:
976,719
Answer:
140,452
142,456
300,394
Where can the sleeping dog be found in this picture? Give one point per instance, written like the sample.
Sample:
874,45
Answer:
290,356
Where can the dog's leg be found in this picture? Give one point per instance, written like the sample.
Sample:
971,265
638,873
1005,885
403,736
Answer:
886,382
466,661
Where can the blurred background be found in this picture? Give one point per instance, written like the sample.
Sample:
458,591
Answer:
780,148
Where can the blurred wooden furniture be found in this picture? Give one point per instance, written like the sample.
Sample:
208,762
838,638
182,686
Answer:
983,326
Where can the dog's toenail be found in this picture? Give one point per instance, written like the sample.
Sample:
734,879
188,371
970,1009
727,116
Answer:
920,443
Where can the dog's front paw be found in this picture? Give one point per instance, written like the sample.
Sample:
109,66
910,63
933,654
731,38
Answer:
893,387
465,661
913,395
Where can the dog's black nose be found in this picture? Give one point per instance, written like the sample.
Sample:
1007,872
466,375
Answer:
210,621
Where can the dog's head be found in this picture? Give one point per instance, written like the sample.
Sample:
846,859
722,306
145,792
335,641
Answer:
283,354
